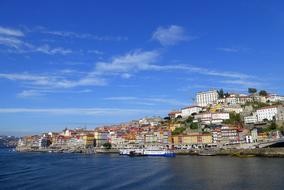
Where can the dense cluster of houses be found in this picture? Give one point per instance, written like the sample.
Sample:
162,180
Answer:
215,120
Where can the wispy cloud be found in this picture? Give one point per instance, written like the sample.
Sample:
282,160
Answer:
233,50
83,111
11,42
171,35
148,100
53,81
146,60
68,34
244,83
131,62
11,32
52,51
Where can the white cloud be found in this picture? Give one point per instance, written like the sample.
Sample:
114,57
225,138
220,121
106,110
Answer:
51,51
11,42
10,32
148,100
131,62
29,93
170,35
233,50
68,34
83,111
146,60
244,83
53,81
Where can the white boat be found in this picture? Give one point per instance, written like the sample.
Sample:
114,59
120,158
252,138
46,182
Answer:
147,152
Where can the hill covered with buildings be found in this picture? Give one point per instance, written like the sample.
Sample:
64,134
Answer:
217,119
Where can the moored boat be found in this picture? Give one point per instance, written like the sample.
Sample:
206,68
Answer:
148,152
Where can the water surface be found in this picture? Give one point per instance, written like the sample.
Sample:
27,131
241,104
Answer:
78,171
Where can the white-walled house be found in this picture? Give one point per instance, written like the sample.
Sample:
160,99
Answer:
268,113
209,118
275,98
250,119
188,111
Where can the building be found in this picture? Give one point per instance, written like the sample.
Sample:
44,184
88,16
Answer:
175,114
101,137
267,113
205,99
233,108
275,98
209,118
192,139
225,135
188,111
250,119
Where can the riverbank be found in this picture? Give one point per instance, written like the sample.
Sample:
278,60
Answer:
260,152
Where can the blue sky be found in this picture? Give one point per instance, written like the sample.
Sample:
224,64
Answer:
75,64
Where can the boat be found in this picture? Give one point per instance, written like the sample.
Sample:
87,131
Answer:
239,155
159,152
147,152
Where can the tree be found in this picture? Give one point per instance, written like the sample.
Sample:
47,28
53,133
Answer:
235,118
262,93
189,119
107,145
167,118
252,90
178,130
194,126
179,117
220,93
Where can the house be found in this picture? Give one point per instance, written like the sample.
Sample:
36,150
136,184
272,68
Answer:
250,119
267,113
226,135
188,111
192,139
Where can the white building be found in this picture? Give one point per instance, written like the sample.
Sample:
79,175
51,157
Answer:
235,108
268,113
250,119
209,118
275,98
188,111
204,99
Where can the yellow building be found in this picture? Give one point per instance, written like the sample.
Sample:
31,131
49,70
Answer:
88,140
193,138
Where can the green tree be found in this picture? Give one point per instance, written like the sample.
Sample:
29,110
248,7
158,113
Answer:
262,93
235,118
107,145
194,126
178,130
220,93
252,90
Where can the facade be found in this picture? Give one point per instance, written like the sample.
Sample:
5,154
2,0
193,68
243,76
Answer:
236,109
192,139
204,99
188,111
275,98
209,118
250,119
225,135
268,113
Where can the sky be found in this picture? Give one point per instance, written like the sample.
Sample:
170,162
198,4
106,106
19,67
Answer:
94,63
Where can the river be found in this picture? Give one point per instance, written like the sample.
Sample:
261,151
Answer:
109,171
